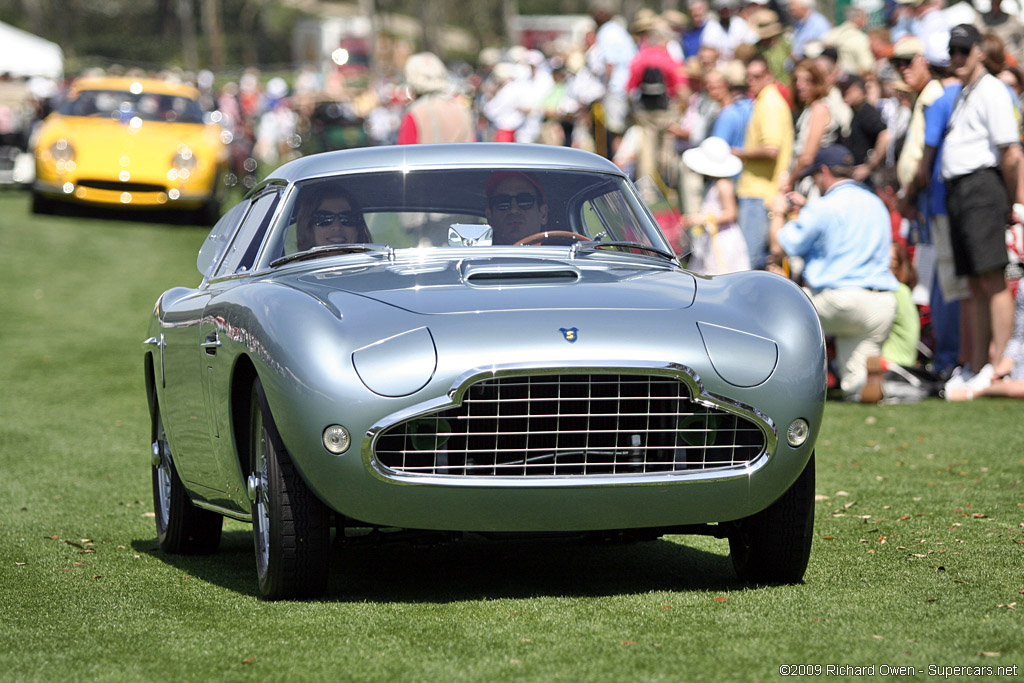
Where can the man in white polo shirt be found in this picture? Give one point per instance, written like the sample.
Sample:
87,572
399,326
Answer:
981,161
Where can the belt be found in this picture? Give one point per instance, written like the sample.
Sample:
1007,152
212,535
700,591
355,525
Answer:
956,179
817,290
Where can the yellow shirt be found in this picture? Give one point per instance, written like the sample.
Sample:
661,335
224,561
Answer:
771,125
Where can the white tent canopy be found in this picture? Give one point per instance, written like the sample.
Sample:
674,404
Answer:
25,54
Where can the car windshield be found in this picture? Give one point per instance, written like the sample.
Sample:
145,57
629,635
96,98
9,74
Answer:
462,208
124,105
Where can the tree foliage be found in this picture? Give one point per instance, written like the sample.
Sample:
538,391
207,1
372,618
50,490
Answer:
216,33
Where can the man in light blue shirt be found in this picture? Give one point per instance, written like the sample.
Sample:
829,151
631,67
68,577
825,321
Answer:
845,239
808,25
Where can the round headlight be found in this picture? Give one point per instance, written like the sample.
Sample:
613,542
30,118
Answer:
336,439
798,432
62,151
183,161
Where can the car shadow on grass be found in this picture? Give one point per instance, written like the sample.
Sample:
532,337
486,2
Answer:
178,217
476,568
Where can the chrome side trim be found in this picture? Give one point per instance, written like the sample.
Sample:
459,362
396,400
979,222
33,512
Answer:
462,384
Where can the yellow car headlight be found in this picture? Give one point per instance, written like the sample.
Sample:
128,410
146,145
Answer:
182,164
62,154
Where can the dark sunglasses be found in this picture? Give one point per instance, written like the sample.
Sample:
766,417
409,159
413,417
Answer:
955,50
322,219
899,63
503,202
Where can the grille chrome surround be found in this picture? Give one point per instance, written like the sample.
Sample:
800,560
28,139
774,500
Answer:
586,425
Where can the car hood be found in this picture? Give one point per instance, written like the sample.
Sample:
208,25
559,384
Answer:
477,285
105,141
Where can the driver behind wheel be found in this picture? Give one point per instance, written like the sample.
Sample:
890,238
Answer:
515,206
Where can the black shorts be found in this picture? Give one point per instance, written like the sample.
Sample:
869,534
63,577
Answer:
978,210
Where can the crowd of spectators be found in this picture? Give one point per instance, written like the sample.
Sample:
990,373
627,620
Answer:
755,117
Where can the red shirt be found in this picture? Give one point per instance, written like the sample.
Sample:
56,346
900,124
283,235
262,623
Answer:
657,56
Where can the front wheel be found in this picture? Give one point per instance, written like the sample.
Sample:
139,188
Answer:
42,206
290,526
774,545
181,527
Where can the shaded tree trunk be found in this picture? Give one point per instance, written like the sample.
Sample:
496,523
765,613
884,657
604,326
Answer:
509,12
189,47
65,27
35,11
431,16
247,20
214,33
165,18
368,8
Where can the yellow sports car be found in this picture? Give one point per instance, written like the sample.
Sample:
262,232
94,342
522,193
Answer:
128,142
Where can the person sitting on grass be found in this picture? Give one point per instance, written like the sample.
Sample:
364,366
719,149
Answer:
1008,373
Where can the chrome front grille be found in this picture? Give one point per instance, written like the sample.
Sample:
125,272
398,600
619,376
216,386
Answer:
575,425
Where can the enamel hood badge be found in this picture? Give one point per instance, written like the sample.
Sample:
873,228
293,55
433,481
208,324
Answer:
571,334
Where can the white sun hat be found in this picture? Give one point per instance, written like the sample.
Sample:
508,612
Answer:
713,158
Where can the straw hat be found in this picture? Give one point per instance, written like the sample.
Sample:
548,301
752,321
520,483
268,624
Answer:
735,73
426,73
765,23
643,20
713,158
676,19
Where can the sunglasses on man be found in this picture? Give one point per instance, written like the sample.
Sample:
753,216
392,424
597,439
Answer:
503,202
958,51
322,219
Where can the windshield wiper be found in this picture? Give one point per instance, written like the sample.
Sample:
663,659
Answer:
622,246
328,250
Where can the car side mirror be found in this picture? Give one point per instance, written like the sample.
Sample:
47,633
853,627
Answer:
469,235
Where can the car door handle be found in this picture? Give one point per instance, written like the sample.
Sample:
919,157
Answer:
211,343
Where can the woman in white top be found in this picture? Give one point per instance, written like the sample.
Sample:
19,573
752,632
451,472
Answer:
718,245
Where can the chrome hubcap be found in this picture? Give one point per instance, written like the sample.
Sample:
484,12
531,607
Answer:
252,487
257,490
162,462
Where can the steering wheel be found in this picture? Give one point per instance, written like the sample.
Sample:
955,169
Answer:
553,237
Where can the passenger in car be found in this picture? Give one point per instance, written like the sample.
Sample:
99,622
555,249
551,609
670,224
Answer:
515,206
329,215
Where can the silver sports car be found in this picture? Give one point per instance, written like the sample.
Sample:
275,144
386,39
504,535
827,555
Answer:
488,338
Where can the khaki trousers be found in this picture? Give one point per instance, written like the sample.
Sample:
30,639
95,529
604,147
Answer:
860,320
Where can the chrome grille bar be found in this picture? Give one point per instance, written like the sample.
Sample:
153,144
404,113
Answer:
570,425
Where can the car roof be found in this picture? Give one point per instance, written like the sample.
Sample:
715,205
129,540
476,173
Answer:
439,156
150,85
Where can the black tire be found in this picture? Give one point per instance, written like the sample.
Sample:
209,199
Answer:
290,525
773,546
209,212
41,205
181,527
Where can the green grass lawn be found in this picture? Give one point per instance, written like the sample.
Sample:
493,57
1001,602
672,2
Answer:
918,555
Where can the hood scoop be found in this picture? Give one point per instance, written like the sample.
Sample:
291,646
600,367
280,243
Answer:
503,283
515,273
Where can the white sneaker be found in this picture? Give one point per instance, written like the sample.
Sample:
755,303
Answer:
959,378
982,380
